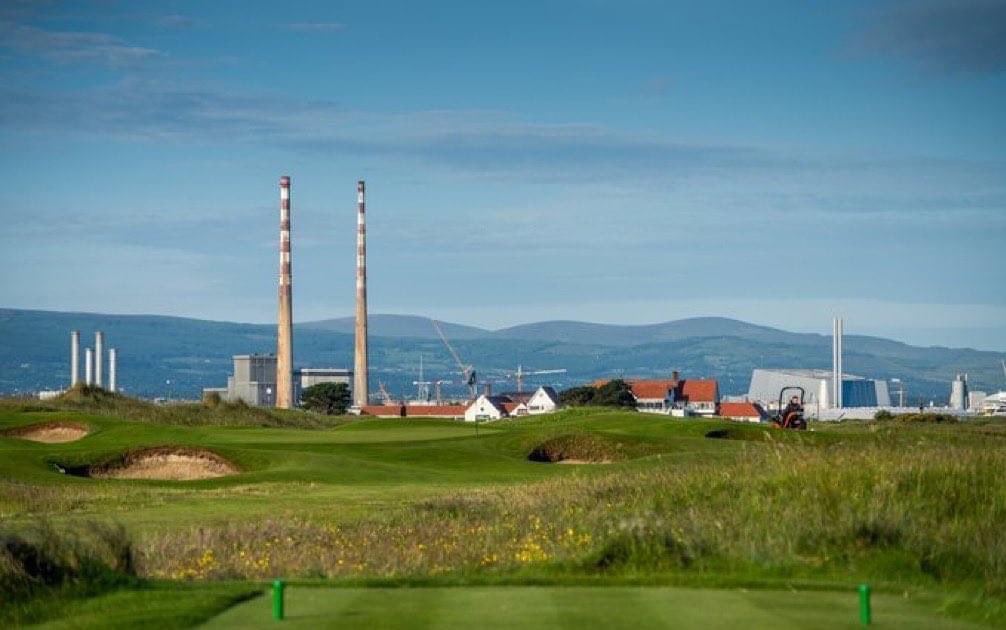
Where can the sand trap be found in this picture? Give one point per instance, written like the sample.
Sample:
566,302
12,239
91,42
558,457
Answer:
581,461
50,432
170,464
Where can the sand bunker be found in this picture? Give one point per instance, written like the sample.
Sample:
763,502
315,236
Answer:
170,464
50,432
581,461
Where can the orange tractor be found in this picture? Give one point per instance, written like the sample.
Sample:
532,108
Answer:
791,416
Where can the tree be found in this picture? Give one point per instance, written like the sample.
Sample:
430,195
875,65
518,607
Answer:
328,398
614,393
577,396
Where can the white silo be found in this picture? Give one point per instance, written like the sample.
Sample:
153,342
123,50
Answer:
959,392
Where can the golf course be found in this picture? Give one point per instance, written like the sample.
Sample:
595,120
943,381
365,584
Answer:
118,513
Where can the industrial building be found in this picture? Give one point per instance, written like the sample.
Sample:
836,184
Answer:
818,386
306,377
254,380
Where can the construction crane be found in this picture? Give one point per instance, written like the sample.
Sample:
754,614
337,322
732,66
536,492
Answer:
422,385
468,376
518,376
388,400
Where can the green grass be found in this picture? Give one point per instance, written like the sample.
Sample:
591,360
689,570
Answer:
913,508
154,606
574,608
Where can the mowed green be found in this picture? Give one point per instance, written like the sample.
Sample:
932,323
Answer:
575,608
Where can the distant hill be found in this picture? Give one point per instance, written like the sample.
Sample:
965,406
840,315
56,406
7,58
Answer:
398,326
620,335
161,356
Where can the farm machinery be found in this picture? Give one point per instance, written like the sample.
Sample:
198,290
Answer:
791,416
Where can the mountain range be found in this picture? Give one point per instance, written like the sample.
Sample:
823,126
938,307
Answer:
176,357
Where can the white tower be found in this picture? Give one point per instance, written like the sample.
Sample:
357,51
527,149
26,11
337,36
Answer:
99,348
89,367
112,368
74,357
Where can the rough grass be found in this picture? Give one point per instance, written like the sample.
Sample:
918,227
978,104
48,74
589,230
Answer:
39,564
924,515
94,400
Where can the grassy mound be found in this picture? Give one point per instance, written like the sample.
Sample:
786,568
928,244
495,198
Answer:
98,401
580,448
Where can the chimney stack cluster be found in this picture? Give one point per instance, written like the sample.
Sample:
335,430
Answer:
93,362
284,339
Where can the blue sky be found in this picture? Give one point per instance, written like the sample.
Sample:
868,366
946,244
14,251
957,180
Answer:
626,162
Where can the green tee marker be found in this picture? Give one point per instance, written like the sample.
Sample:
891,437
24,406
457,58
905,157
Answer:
865,614
277,600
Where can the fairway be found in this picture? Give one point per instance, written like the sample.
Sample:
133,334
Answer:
575,608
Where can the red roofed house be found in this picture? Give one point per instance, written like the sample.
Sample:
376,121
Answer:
413,411
435,411
653,396
676,397
743,411
383,411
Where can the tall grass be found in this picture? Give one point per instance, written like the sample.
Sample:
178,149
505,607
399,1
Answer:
40,564
924,513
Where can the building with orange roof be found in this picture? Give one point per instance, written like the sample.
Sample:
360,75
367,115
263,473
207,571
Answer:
674,396
742,411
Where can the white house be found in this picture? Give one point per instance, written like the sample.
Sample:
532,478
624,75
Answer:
544,400
488,408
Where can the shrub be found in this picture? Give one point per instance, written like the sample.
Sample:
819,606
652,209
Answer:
883,414
331,399
615,393
577,396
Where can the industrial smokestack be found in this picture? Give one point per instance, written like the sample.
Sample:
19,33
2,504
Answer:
360,374
88,367
112,368
74,357
284,340
841,368
99,345
837,333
